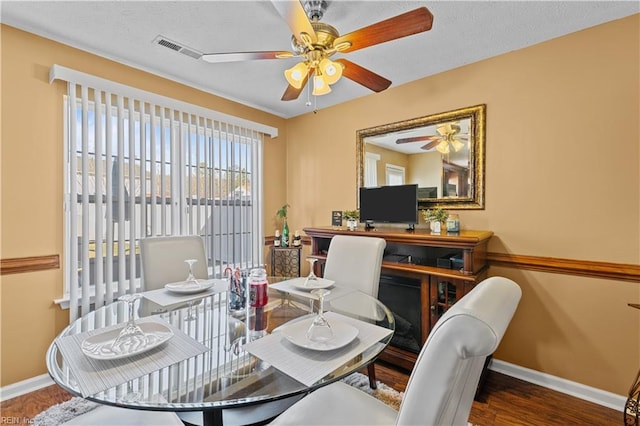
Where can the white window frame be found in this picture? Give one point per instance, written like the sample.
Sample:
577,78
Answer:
392,172
371,169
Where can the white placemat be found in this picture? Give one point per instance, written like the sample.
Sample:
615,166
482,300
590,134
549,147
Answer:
289,286
95,376
164,297
308,366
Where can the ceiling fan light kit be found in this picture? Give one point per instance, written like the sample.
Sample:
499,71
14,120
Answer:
315,42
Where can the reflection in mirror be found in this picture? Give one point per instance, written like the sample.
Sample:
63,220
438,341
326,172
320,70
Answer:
442,153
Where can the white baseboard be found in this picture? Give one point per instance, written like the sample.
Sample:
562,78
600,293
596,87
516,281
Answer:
588,393
578,390
25,386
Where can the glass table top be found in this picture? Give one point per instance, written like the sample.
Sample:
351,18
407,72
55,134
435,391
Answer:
224,376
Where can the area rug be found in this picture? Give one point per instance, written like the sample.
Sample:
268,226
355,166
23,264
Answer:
63,412
384,393
76,406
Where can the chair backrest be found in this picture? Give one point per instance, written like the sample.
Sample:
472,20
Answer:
355,262
163,260
445,377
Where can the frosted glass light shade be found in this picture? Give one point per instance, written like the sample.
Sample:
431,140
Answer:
332,71
457,145
320,86
296,74
443,147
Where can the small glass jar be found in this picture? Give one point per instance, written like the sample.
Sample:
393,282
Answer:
453,223
258,298
276,239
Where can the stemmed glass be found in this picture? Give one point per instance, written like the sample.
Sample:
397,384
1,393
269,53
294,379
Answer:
131,395
311,278
320,330
131,338
190,280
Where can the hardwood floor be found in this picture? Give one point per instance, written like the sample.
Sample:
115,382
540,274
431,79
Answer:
503,401
506,401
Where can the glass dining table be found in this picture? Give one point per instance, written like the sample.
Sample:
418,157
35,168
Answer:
225,382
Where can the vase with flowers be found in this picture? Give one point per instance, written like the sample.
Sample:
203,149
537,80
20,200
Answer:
436,218
352,217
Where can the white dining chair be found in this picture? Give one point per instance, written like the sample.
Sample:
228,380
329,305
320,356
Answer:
354,261
163,259
444,379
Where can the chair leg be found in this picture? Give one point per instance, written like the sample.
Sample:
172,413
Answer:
371,371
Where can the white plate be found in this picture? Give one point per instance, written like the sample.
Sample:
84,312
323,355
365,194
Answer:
99,346
303,284
184,287
296,333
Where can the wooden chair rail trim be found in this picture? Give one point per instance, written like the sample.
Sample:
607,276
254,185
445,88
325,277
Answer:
614,271
586,268
21,265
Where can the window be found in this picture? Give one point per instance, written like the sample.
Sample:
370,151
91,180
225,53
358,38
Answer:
395,174
137,168
371,169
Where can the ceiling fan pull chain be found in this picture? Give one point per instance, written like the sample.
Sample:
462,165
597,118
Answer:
308,95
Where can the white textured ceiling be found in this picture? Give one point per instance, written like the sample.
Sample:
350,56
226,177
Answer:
463,32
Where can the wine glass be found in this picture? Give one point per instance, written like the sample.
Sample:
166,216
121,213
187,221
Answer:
190,280
311,278
131,395
131,337
320,330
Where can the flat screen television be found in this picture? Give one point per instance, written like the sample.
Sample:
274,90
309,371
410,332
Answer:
389,204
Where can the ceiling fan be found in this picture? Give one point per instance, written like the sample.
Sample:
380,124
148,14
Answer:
314,42
448,136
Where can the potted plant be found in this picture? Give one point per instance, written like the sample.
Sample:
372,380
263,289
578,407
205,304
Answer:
282,214
352,217
436,218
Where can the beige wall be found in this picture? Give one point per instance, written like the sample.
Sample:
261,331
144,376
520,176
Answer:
32,182
562,180
426,161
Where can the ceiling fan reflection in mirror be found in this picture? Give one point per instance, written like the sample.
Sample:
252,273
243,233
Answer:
315,42
448,136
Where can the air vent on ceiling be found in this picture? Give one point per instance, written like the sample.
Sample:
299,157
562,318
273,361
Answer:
169,44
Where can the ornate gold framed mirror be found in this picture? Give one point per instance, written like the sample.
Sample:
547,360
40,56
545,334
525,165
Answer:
444,154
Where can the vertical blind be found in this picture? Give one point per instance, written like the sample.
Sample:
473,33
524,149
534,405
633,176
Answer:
138,168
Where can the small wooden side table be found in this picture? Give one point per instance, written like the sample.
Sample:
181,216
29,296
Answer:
632,406
285,261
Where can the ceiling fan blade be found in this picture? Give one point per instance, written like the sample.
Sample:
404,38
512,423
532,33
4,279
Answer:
296,18
413,22
430,145
291,93
415,139
245,56
363,76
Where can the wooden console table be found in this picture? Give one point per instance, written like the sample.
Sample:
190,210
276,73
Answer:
444,266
